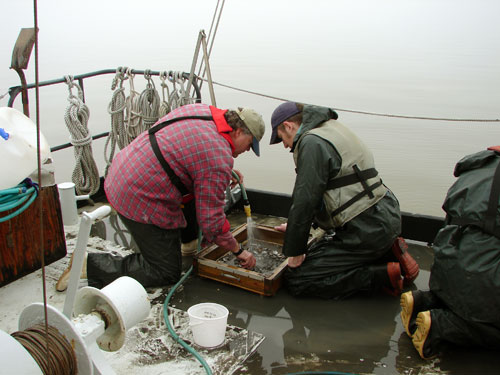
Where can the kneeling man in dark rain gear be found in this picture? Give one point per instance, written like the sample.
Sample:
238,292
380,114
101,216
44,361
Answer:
462,306
338,189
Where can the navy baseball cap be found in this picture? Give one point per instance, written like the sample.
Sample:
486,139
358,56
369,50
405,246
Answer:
282,113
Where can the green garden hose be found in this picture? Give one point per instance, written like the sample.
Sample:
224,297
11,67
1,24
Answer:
26,192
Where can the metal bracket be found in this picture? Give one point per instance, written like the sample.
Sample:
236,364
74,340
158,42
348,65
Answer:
20,58
202,41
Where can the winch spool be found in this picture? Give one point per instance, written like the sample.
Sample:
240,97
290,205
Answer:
121,304
91,319
101,319
33,315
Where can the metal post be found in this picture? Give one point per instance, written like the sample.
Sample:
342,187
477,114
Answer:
207,67
195,60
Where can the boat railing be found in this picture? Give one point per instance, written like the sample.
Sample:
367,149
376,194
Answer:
14,91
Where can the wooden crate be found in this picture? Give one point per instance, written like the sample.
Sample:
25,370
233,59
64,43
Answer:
207,265
20,248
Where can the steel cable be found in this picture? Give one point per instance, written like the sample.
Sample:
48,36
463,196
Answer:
360,112
61,359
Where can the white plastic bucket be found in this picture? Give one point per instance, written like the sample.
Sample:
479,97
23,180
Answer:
18,143
208,323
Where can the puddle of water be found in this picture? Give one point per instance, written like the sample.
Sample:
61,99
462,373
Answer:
361,335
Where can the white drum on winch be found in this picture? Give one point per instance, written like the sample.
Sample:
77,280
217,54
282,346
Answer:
18,147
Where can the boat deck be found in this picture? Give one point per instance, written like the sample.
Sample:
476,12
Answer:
361,335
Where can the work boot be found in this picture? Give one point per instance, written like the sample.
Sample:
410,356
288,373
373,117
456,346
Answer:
62,283
422,337
388,277
408,265
395,278
411,304
189,248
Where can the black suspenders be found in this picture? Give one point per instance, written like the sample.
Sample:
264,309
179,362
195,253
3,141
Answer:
156,149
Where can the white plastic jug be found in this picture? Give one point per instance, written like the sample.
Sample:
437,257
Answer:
208,323
18,142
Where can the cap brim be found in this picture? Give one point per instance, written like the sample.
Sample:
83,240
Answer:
255,146
274,137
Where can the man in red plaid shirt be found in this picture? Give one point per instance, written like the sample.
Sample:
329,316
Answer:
197,143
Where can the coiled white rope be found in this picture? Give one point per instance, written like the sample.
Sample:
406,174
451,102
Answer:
85,175
165,103
116,108
133,119
178,97
149,102
174,99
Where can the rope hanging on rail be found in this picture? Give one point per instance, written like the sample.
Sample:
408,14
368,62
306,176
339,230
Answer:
165,102
116,108
178,97
133,119
61,358
85,175
133,114
174,99
149,102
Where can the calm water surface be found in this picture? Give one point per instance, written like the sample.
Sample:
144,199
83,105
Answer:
418,58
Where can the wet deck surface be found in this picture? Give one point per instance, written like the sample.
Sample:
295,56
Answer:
361,335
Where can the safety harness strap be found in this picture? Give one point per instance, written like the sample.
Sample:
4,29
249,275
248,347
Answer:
358,176
463,223
156,149
491,213
357,197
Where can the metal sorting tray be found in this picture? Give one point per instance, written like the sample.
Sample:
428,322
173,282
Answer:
207,265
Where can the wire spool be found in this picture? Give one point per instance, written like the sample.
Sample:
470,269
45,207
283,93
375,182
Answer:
33,315
60,357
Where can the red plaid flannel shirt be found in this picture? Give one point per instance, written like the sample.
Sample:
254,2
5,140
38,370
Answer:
199,153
